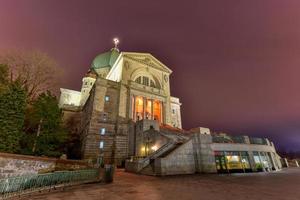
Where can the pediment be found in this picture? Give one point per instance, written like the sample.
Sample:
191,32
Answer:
147,59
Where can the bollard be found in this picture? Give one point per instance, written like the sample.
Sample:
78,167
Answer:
108,173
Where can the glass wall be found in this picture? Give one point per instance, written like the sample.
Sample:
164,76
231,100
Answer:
233,161
263,161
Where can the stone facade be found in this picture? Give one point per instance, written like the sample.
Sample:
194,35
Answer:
120,89
126,111
198,151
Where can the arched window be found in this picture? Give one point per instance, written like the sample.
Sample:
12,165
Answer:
145,80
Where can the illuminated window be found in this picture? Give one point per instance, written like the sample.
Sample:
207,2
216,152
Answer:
104,116
102,131
101,145
106,98
148,113
157,110
139,108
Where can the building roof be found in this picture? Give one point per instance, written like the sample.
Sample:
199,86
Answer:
106,59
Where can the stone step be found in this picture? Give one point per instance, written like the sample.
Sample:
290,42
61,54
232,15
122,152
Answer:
147,170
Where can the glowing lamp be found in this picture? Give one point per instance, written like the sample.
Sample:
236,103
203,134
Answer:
154,148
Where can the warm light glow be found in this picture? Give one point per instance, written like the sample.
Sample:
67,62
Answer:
154,148
157,110
144,108
233,158
148,109
139,108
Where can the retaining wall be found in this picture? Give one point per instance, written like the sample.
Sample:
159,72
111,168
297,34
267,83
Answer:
16,165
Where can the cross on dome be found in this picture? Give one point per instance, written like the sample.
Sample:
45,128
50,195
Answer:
116,42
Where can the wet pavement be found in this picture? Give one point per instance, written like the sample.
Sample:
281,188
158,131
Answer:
283,185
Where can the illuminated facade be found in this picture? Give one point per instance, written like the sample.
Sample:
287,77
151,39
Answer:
125,110
120,89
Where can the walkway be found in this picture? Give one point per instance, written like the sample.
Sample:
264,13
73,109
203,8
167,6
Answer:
284,185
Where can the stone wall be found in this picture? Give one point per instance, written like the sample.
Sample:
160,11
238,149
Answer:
180,161
99,114
203,153
17,165
195,155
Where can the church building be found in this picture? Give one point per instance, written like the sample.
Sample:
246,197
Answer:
119,89
125,114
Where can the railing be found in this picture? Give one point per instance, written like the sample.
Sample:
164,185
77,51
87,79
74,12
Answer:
15,186
261,141
146,161
228,139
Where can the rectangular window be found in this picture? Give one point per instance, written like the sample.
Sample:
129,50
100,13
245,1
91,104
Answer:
148,111
106,98
102,131
101,145
139,108
104,116
157,110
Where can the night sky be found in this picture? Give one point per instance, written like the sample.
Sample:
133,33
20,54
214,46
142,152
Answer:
236,64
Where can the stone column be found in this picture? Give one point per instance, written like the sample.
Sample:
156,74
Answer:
152,116
144,107
247,140
133,109
286,162
297,164
275,167
162,113
204,155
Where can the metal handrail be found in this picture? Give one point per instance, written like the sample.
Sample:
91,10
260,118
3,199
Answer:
15,186
156,154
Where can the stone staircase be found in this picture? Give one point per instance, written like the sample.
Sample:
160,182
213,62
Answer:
148,170
146,161
146,165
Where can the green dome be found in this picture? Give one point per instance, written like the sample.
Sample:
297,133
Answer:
106,59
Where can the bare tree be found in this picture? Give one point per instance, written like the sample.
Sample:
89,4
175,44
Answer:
36,71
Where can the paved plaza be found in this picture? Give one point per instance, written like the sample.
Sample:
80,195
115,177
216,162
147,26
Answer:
284,185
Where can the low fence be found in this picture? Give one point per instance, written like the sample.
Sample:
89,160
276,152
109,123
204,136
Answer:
16,186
